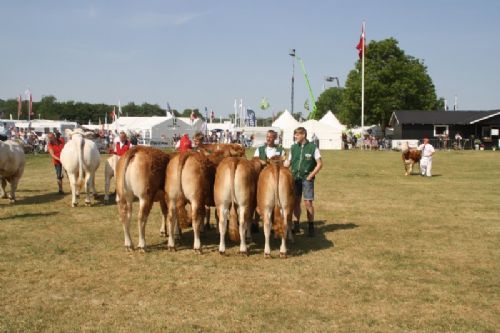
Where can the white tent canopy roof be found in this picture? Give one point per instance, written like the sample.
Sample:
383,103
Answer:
330,119
286,120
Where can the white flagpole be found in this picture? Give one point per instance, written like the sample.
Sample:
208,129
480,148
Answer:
363,80
235,112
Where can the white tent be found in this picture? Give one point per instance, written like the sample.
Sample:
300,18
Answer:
329,137
158,130
287,123
330,120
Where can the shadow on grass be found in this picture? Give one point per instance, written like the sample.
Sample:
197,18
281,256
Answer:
28,215
302,243
40,199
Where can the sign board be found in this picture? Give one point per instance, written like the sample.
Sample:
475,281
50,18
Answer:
494,132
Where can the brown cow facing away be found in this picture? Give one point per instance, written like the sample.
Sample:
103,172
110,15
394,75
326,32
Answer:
410,157
190,179
140,173
275,193
235,191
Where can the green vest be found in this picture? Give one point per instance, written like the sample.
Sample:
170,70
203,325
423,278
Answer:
303,161
262,152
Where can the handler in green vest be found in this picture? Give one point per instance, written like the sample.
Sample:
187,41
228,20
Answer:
270,149
305,162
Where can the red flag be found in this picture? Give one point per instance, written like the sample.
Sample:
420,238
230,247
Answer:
361,45
19,106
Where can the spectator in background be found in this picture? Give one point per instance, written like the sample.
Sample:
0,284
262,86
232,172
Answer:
184,144
123,145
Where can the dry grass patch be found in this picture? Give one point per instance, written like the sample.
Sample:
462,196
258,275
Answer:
392,253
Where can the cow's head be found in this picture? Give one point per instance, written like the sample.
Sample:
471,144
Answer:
405,147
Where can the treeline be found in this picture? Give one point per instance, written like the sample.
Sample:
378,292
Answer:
50,108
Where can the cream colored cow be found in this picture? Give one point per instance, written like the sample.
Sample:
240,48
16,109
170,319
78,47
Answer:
109,172
80,158
11,167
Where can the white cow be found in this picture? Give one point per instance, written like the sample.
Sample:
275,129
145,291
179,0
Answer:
11,167
80,158
109,172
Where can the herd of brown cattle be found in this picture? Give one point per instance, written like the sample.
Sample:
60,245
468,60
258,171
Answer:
187,184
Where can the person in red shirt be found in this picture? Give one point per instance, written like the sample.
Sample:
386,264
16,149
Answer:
54,148
184,143
123,145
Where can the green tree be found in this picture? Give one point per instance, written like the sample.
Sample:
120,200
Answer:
393,81
329,100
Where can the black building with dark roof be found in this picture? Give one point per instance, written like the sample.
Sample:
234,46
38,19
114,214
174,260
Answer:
471,125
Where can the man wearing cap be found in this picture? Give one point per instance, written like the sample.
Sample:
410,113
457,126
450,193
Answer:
270,149
305,163
54,149
123,145
426,160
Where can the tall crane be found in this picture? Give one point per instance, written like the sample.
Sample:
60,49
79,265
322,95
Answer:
312,114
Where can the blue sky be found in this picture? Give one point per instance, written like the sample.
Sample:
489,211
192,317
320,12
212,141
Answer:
207,53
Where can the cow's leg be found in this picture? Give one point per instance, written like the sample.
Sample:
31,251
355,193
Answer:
197,218
88,185
244,216
125,211
13,187
223,212
94,192
171,220
3,193
73,185
267,231
207,218
164,213
144,210
283,250
107,181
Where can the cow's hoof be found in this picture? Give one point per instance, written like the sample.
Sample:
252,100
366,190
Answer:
171,248
88,203
222,253
12,200
74,204
267,255
141,249
198,251
163,234
129,248
283,255
96,196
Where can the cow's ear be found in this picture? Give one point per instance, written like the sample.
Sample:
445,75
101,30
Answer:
68,132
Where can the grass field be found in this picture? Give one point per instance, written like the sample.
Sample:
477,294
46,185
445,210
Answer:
392,254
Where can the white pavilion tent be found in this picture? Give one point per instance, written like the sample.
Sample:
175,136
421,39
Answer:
287,123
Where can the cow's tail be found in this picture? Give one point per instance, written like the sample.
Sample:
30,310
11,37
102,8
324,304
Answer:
181,209
278,223
233,231
127,158
79,153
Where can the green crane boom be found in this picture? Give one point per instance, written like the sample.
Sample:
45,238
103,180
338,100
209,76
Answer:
311,95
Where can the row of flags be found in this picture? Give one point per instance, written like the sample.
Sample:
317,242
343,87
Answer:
20,104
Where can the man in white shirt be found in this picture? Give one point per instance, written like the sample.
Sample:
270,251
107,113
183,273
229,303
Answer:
426,160
270,149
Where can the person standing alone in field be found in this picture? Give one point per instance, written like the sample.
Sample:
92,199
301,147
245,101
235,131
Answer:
54,148
426,160
305,163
